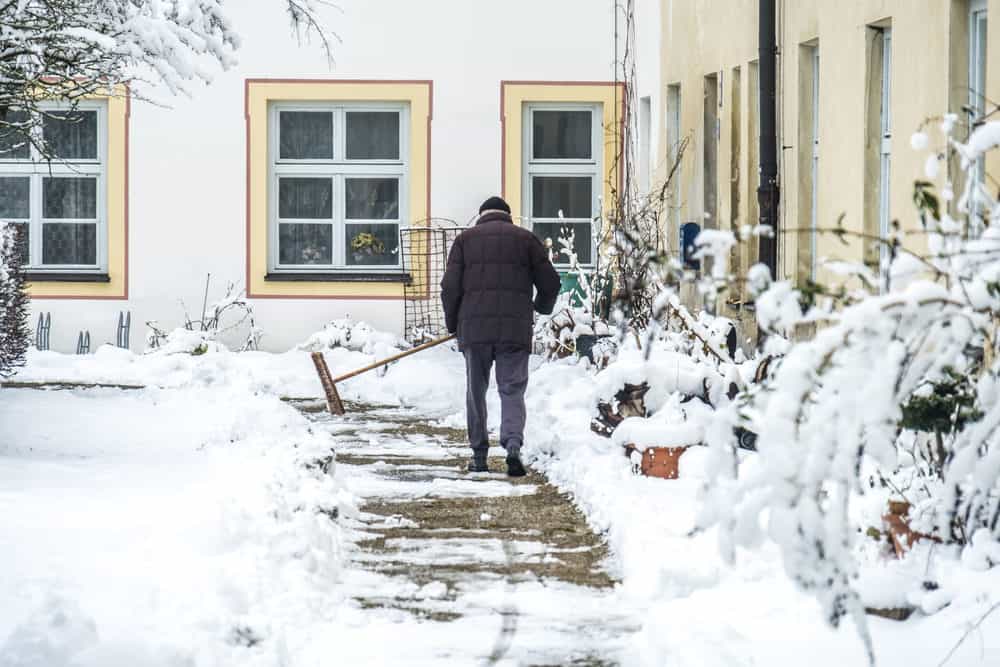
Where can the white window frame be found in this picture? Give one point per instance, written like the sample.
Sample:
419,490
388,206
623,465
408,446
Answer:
814,212
645,144
564,168
37,169
978,18
338,170
674,101
885,144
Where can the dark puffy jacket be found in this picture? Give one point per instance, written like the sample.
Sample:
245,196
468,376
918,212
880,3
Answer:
487,288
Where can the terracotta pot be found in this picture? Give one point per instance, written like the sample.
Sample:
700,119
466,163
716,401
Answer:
897,523
661,462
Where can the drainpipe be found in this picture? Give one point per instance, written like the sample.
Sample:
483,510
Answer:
768,193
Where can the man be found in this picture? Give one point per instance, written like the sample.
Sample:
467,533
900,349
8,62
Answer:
487,297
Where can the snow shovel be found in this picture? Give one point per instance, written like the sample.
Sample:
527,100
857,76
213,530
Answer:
333,402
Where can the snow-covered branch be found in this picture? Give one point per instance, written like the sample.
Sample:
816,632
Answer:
66,50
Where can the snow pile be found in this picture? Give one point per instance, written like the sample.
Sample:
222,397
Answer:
186,341
351,335
163,527
674,424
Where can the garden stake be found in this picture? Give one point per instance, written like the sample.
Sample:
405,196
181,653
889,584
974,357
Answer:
333,402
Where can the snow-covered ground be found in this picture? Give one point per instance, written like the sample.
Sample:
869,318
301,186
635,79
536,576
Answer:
160,527
176,523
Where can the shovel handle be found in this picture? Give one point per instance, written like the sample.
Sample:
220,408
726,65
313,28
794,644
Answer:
396,357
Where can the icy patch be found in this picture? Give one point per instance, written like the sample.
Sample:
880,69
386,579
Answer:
368,485
457,551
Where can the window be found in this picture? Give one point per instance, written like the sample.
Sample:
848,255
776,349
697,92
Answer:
645,144
338,185
808,156
814,204
735,167
710,155
562,170
977,57
885,149
58,204
977,82
674,149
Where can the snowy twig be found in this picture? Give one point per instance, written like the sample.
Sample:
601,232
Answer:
968,632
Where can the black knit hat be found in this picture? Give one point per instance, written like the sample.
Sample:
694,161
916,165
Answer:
495,204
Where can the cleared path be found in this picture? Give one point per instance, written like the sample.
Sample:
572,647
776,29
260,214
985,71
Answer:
451,568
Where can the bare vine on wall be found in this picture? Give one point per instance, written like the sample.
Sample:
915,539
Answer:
638,254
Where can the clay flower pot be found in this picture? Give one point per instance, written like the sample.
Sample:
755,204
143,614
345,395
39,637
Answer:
897,524
662,462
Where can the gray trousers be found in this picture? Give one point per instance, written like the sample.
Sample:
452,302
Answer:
512,380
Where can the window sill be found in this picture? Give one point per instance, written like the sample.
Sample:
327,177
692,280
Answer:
65,277
341,277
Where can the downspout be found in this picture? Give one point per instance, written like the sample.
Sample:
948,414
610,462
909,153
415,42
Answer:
768,193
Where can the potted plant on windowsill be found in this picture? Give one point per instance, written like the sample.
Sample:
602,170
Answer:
366,248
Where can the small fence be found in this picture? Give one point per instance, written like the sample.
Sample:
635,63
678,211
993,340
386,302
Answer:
425,256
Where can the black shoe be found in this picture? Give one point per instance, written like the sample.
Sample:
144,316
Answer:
514,466
478,463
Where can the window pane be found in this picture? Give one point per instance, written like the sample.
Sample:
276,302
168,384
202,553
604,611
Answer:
14,197
66,243
71,135
373,135
372,245
305,198
372,198
556,230
562,135
13,139
305,135
305,244
74,198
561,197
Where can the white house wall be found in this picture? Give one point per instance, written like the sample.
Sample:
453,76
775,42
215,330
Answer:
187,211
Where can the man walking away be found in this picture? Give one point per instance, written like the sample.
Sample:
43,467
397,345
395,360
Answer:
487,296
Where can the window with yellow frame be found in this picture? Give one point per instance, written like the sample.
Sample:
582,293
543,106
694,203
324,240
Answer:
70,205
335,169
560,171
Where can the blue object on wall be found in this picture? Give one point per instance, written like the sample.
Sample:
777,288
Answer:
689,232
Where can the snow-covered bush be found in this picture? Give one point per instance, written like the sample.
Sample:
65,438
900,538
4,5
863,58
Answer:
351,335
231,317
896,395
14,332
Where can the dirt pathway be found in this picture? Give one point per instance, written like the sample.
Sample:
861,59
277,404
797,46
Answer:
468,569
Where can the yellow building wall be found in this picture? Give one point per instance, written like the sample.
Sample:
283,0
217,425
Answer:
700,39
259,94
116,196
704,37
920,88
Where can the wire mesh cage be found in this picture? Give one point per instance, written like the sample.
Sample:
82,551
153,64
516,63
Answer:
425,254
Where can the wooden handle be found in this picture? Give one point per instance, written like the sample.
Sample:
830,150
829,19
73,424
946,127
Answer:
333,402
419,348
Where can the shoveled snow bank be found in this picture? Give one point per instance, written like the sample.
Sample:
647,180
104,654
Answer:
289,375
162,527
